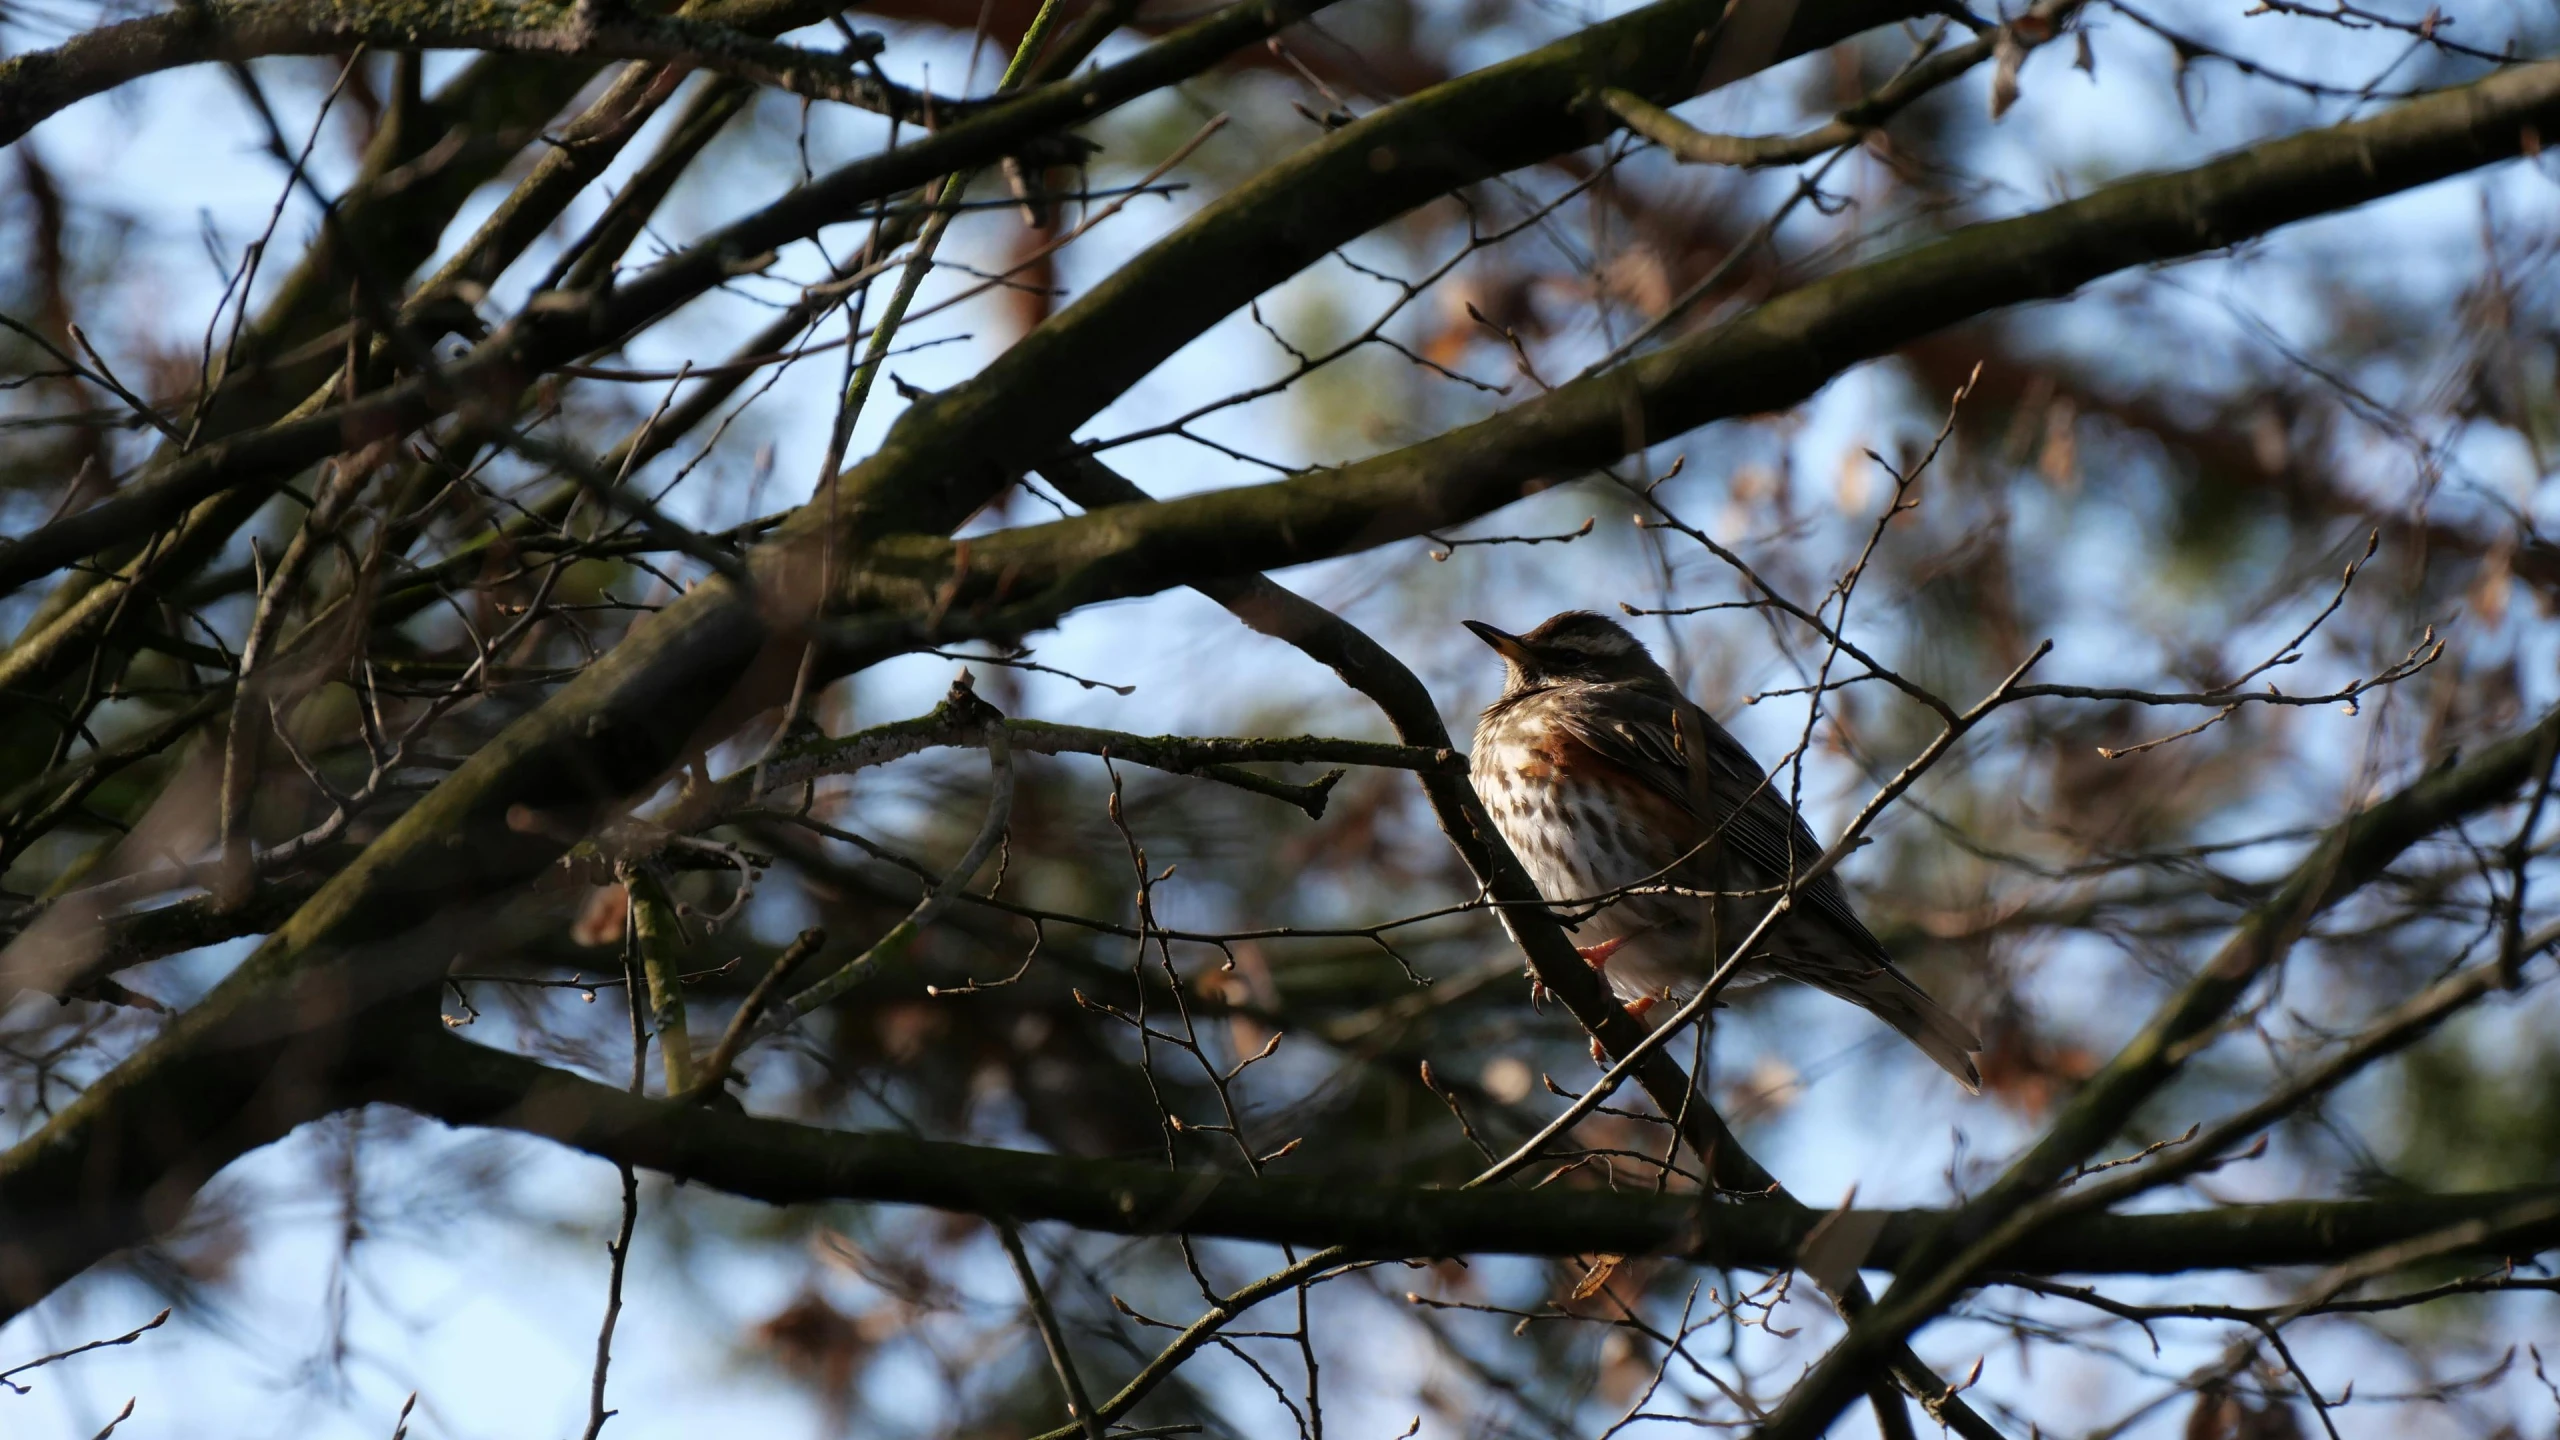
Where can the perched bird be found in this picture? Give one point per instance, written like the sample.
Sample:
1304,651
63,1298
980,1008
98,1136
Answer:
1603,776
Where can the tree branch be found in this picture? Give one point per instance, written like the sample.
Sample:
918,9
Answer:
786,1163
41,83
500,367
2015,1206
1766,360
1692,146
952,452
949,725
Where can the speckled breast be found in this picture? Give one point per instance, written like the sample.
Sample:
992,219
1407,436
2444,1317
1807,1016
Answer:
1566,812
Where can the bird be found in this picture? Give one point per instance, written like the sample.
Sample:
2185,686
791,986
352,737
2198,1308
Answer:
1603,777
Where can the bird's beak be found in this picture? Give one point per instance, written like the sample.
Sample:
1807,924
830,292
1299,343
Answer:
1510,646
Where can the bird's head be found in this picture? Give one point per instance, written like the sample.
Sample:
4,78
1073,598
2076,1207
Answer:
1574,646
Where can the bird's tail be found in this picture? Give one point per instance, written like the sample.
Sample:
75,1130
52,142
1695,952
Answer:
1889,995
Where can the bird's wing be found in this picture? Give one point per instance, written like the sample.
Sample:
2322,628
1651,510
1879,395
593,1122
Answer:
1636,729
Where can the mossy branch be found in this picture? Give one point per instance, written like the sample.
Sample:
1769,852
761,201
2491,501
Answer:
661,940
1768,359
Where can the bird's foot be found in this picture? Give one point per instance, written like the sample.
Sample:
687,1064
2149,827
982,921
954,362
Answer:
1636,1009
1597,956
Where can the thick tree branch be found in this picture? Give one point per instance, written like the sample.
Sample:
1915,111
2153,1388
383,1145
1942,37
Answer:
36,85
954,451
1509,115
949,454
1766,360
786,1163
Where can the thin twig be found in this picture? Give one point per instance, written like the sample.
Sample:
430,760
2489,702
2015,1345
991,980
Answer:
733,1041
892,946
8,1376
1079,1406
